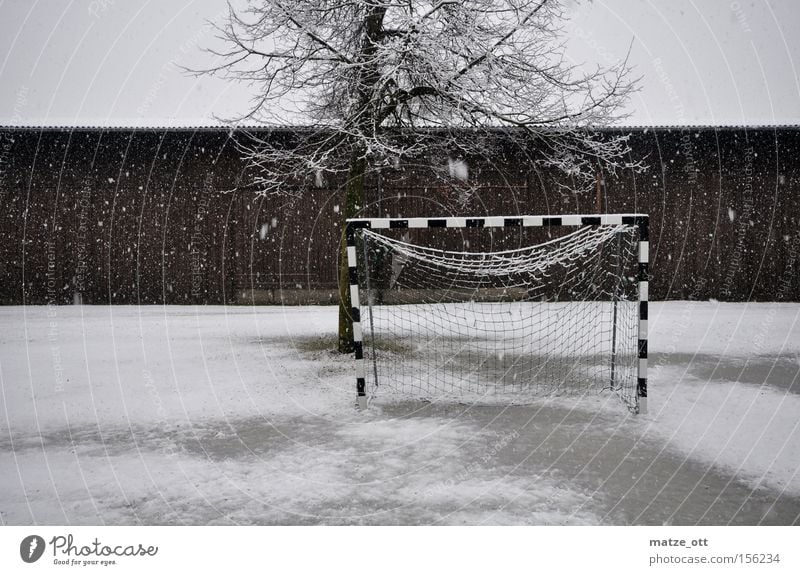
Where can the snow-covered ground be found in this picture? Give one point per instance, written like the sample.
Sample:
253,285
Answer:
163,415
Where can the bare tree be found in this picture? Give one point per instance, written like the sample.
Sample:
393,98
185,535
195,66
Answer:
386,82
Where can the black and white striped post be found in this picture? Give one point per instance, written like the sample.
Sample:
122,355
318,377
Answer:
644,279
640,221
355,310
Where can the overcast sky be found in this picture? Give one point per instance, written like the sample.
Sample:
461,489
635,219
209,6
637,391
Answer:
116,62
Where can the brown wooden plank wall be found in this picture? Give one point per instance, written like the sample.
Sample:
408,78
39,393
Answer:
151,216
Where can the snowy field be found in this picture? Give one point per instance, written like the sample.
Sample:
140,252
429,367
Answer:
238,415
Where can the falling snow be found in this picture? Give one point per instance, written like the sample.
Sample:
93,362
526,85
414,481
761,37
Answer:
458,169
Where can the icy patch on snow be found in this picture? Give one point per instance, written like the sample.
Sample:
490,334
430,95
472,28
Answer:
751,431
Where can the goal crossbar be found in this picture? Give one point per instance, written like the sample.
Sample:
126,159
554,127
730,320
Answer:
355,230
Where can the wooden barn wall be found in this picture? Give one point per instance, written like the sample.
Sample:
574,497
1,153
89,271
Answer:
150,217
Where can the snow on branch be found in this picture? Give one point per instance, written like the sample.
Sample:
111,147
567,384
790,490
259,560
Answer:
399,81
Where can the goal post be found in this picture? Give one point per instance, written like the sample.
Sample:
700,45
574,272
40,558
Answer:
511,307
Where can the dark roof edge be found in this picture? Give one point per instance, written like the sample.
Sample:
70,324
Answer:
223,128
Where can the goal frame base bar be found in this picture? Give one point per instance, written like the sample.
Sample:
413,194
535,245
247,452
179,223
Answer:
640,221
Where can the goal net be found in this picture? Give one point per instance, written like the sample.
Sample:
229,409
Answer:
525,308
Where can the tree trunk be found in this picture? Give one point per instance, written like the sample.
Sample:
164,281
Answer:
354,191
353,200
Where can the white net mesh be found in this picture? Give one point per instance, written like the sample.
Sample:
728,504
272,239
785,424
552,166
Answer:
555,312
